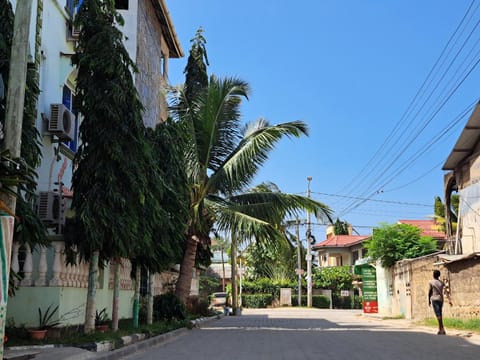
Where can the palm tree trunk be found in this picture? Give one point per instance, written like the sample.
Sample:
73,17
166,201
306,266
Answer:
184,282
89,325
136,296
234,273
151,278
116,294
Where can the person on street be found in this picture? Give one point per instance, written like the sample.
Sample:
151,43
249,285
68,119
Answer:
435,298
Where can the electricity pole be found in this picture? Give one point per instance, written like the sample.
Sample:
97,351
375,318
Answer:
299,263
13,135
309,252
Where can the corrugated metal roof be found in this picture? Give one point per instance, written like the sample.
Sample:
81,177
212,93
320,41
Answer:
467,141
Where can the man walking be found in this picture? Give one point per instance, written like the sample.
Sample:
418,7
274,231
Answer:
435,298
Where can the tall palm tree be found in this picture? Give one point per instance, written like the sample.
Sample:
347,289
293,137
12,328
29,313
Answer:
222,161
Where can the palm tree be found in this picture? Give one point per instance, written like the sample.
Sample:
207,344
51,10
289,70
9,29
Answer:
222,161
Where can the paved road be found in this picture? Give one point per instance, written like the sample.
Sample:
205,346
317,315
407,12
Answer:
306,334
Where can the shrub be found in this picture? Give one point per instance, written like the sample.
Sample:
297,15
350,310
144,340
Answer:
195,306
257,301
320,301
168,307
295,300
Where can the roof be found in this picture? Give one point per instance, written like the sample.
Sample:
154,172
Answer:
447,259
467,141
428,228
168,30
341,241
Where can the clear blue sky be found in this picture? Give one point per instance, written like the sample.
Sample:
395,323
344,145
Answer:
349,69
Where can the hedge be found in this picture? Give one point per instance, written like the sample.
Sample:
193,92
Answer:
318,301
256,301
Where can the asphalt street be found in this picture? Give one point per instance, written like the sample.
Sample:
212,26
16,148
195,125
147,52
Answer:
289,333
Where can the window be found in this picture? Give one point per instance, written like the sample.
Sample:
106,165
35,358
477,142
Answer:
121,4
68,101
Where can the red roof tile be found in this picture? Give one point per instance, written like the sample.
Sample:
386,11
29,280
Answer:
428,227
341,241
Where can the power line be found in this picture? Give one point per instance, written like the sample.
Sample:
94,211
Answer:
397,126
373,200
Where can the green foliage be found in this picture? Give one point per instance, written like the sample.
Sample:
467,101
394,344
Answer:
101,317
28,229
320,301
266,286
209,284
439,208
335,278
196,78
340,227
198,307
114,159
256,301
276,261
45,319
391,243
168,307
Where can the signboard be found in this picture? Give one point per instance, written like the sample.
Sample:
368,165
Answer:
299,271
285,297
369,289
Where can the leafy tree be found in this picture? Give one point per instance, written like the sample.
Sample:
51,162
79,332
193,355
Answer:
335,278
110,183
439,211
340,227
439,208
391,243
196,78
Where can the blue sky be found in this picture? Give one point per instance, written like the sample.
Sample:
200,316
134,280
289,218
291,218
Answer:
351,70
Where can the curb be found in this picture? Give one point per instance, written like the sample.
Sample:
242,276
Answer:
153,341
110,349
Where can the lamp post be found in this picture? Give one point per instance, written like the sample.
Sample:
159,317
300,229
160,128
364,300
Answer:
309,252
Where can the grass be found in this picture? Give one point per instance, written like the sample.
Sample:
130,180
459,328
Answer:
459,324
74,336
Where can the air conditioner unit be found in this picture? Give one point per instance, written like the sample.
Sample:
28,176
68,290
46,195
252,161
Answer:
75,32
62,122
51,208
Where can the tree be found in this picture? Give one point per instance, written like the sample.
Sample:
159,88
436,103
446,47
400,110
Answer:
196,78
109,183
439,211
340,227
222,161
391,243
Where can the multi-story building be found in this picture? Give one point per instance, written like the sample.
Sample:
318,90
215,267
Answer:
151,41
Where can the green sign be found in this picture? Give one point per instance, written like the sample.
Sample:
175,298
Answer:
369,289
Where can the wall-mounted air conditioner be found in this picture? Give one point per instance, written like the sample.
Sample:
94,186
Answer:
75,31
51,208
62,122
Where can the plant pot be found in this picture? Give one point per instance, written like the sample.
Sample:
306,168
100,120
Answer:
101,328
37,334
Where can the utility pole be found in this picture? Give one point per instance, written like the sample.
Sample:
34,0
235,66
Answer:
309,252
16,84
13,135
299,263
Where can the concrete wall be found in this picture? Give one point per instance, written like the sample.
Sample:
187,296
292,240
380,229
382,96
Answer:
152,51
403,289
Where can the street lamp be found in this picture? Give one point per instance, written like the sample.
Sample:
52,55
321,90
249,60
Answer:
309,252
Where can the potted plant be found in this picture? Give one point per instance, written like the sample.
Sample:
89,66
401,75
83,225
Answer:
45,322
101,320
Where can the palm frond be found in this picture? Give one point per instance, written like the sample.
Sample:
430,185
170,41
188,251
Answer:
243,163
274,207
